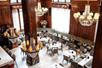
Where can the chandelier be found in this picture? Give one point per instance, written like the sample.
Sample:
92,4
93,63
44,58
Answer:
87,18
40,11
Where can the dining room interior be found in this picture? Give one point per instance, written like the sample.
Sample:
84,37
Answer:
50,33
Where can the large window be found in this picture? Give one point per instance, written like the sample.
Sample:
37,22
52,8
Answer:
19,0
13,1
18,19
15,19
61,19
17,15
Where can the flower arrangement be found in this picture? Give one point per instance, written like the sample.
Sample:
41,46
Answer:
43,23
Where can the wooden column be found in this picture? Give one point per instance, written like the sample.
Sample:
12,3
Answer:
29,20
97,61
28,7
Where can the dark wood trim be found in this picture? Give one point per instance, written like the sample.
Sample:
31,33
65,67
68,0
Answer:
17,6
85,0
59,1
5,16
19,18
75,27
11,16
97,61
25,15
61,5
14,4
17,1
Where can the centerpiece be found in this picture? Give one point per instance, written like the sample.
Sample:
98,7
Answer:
31,49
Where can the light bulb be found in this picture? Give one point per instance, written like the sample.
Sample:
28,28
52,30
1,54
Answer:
89,17
96,16
84,13
91,14
27,42
82,17
76,15
39,5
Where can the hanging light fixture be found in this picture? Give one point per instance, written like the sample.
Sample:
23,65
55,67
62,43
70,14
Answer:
40,11
87,18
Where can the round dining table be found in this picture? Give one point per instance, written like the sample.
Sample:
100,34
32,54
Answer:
69,53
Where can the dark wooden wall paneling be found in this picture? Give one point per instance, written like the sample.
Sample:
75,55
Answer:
97,61
5,13
75,27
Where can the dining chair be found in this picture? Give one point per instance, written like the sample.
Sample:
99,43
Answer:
54,50
74,65
66,58
82,49
91,52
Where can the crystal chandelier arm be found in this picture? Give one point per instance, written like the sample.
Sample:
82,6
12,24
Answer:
76,15
39,5
40,11
87,18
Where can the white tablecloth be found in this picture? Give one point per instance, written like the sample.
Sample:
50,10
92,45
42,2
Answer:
43,39
69,53
85,60
56,45
55,65
5,58
13,40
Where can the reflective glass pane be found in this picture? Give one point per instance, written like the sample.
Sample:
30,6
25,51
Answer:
19,0
13,1
68,0
55,0
61,17
61,0
21,18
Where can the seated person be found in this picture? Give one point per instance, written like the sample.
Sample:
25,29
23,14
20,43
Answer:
11,32
6,34
12,35
6,41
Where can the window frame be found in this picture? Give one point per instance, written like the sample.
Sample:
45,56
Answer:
16,5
